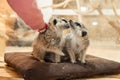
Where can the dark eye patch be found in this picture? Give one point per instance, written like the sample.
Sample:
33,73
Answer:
54,21
77,24
64,20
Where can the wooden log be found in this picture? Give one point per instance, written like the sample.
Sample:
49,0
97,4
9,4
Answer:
32,69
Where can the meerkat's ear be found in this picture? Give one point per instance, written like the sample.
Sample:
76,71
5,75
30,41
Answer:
72,24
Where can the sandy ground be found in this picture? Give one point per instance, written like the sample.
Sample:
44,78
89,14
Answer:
103,49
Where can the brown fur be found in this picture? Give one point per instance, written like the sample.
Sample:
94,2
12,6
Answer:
75,44
48,41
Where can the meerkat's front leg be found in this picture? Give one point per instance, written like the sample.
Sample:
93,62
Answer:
72,55
58,53
39,54
81,56
61,44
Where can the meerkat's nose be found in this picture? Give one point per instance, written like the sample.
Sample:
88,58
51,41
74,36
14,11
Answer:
67,26
84,33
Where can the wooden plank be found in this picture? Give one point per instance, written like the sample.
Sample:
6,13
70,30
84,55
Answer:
8,78
6,71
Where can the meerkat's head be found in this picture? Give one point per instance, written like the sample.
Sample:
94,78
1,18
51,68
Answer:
78,28
59,24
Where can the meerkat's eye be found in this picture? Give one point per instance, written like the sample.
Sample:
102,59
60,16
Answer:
54,21
77,24
64,20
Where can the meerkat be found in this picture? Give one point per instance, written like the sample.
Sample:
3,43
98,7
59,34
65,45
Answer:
61,25
48,41
76,41
66,42
80,40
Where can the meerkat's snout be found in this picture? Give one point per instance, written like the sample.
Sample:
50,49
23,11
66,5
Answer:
62,23
84,33
78,28
66,26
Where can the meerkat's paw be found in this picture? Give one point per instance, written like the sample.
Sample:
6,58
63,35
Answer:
60,53
42,61
56,61
73,61
81,61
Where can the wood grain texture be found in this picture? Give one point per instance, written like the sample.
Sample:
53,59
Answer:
8,78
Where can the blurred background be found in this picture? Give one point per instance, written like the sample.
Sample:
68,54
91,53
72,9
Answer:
101,18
